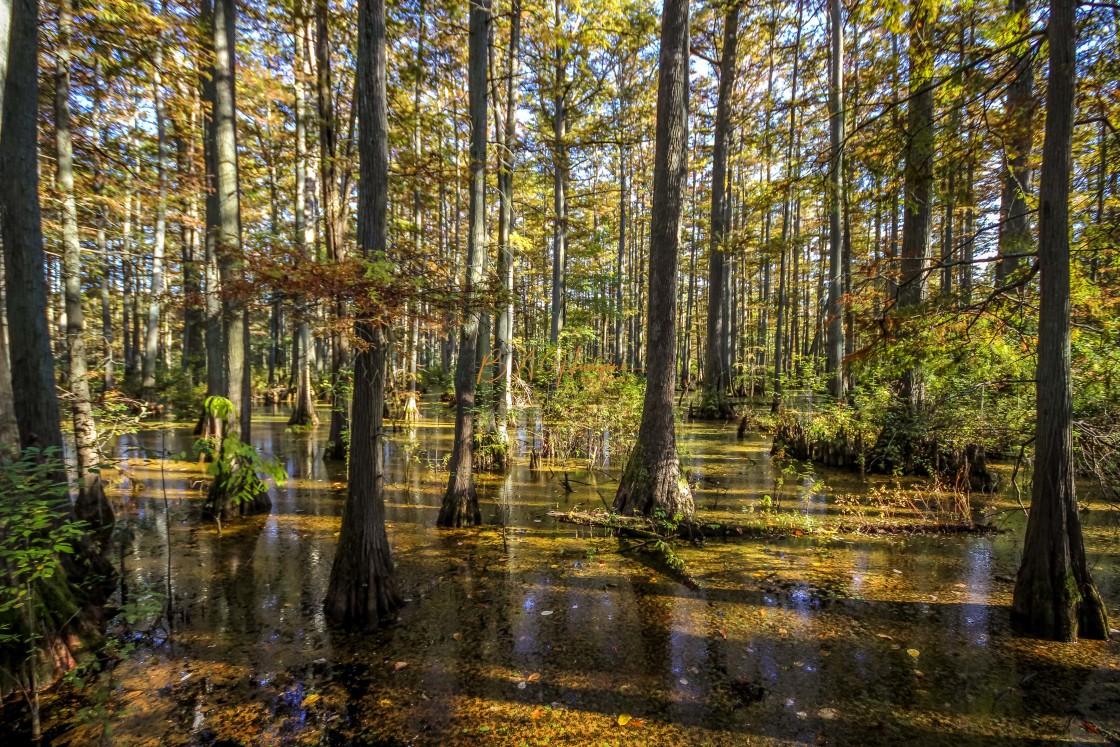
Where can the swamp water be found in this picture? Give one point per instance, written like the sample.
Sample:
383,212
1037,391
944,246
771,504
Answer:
529,631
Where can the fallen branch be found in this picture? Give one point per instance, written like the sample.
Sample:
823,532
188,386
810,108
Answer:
918,529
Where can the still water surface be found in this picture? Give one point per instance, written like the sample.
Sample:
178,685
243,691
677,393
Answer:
528,631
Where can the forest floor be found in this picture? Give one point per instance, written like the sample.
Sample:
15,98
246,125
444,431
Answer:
528,631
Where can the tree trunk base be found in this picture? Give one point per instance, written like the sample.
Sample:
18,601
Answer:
644,490
361,593
460,509
336,440
713,405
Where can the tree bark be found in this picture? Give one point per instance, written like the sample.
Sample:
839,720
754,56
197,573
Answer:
303,410
361,591
652,480
507,150
1015,226
227,227
716,375
194,345
91,506
105,284
127,272
333,177
559,184
151,337
460,503
835,342
417,205
223,228
1054,592
917,219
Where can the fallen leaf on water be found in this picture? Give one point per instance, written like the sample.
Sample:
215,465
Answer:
914,652
457,636
399,666
311,700
534,677
624,719
546,613
536,713
884,636
720,631
827,713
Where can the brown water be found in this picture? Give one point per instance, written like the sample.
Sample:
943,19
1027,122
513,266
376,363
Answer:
527,631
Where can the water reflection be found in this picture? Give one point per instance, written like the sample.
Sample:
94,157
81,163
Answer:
524,628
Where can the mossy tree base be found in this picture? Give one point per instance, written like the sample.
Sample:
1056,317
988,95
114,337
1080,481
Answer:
1056,607
652,483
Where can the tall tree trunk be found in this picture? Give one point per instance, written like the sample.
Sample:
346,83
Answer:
716,376
227,226
559,183
334,224
506,151
303,410
652,480
127,271
194,350
1015,227
91,505
417,207
835,342
34,397
917,220
151,341
1054,592
108,378
361,591
224,233
460,503
623,204
35,402
685,374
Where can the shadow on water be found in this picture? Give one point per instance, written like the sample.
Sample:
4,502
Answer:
525,631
